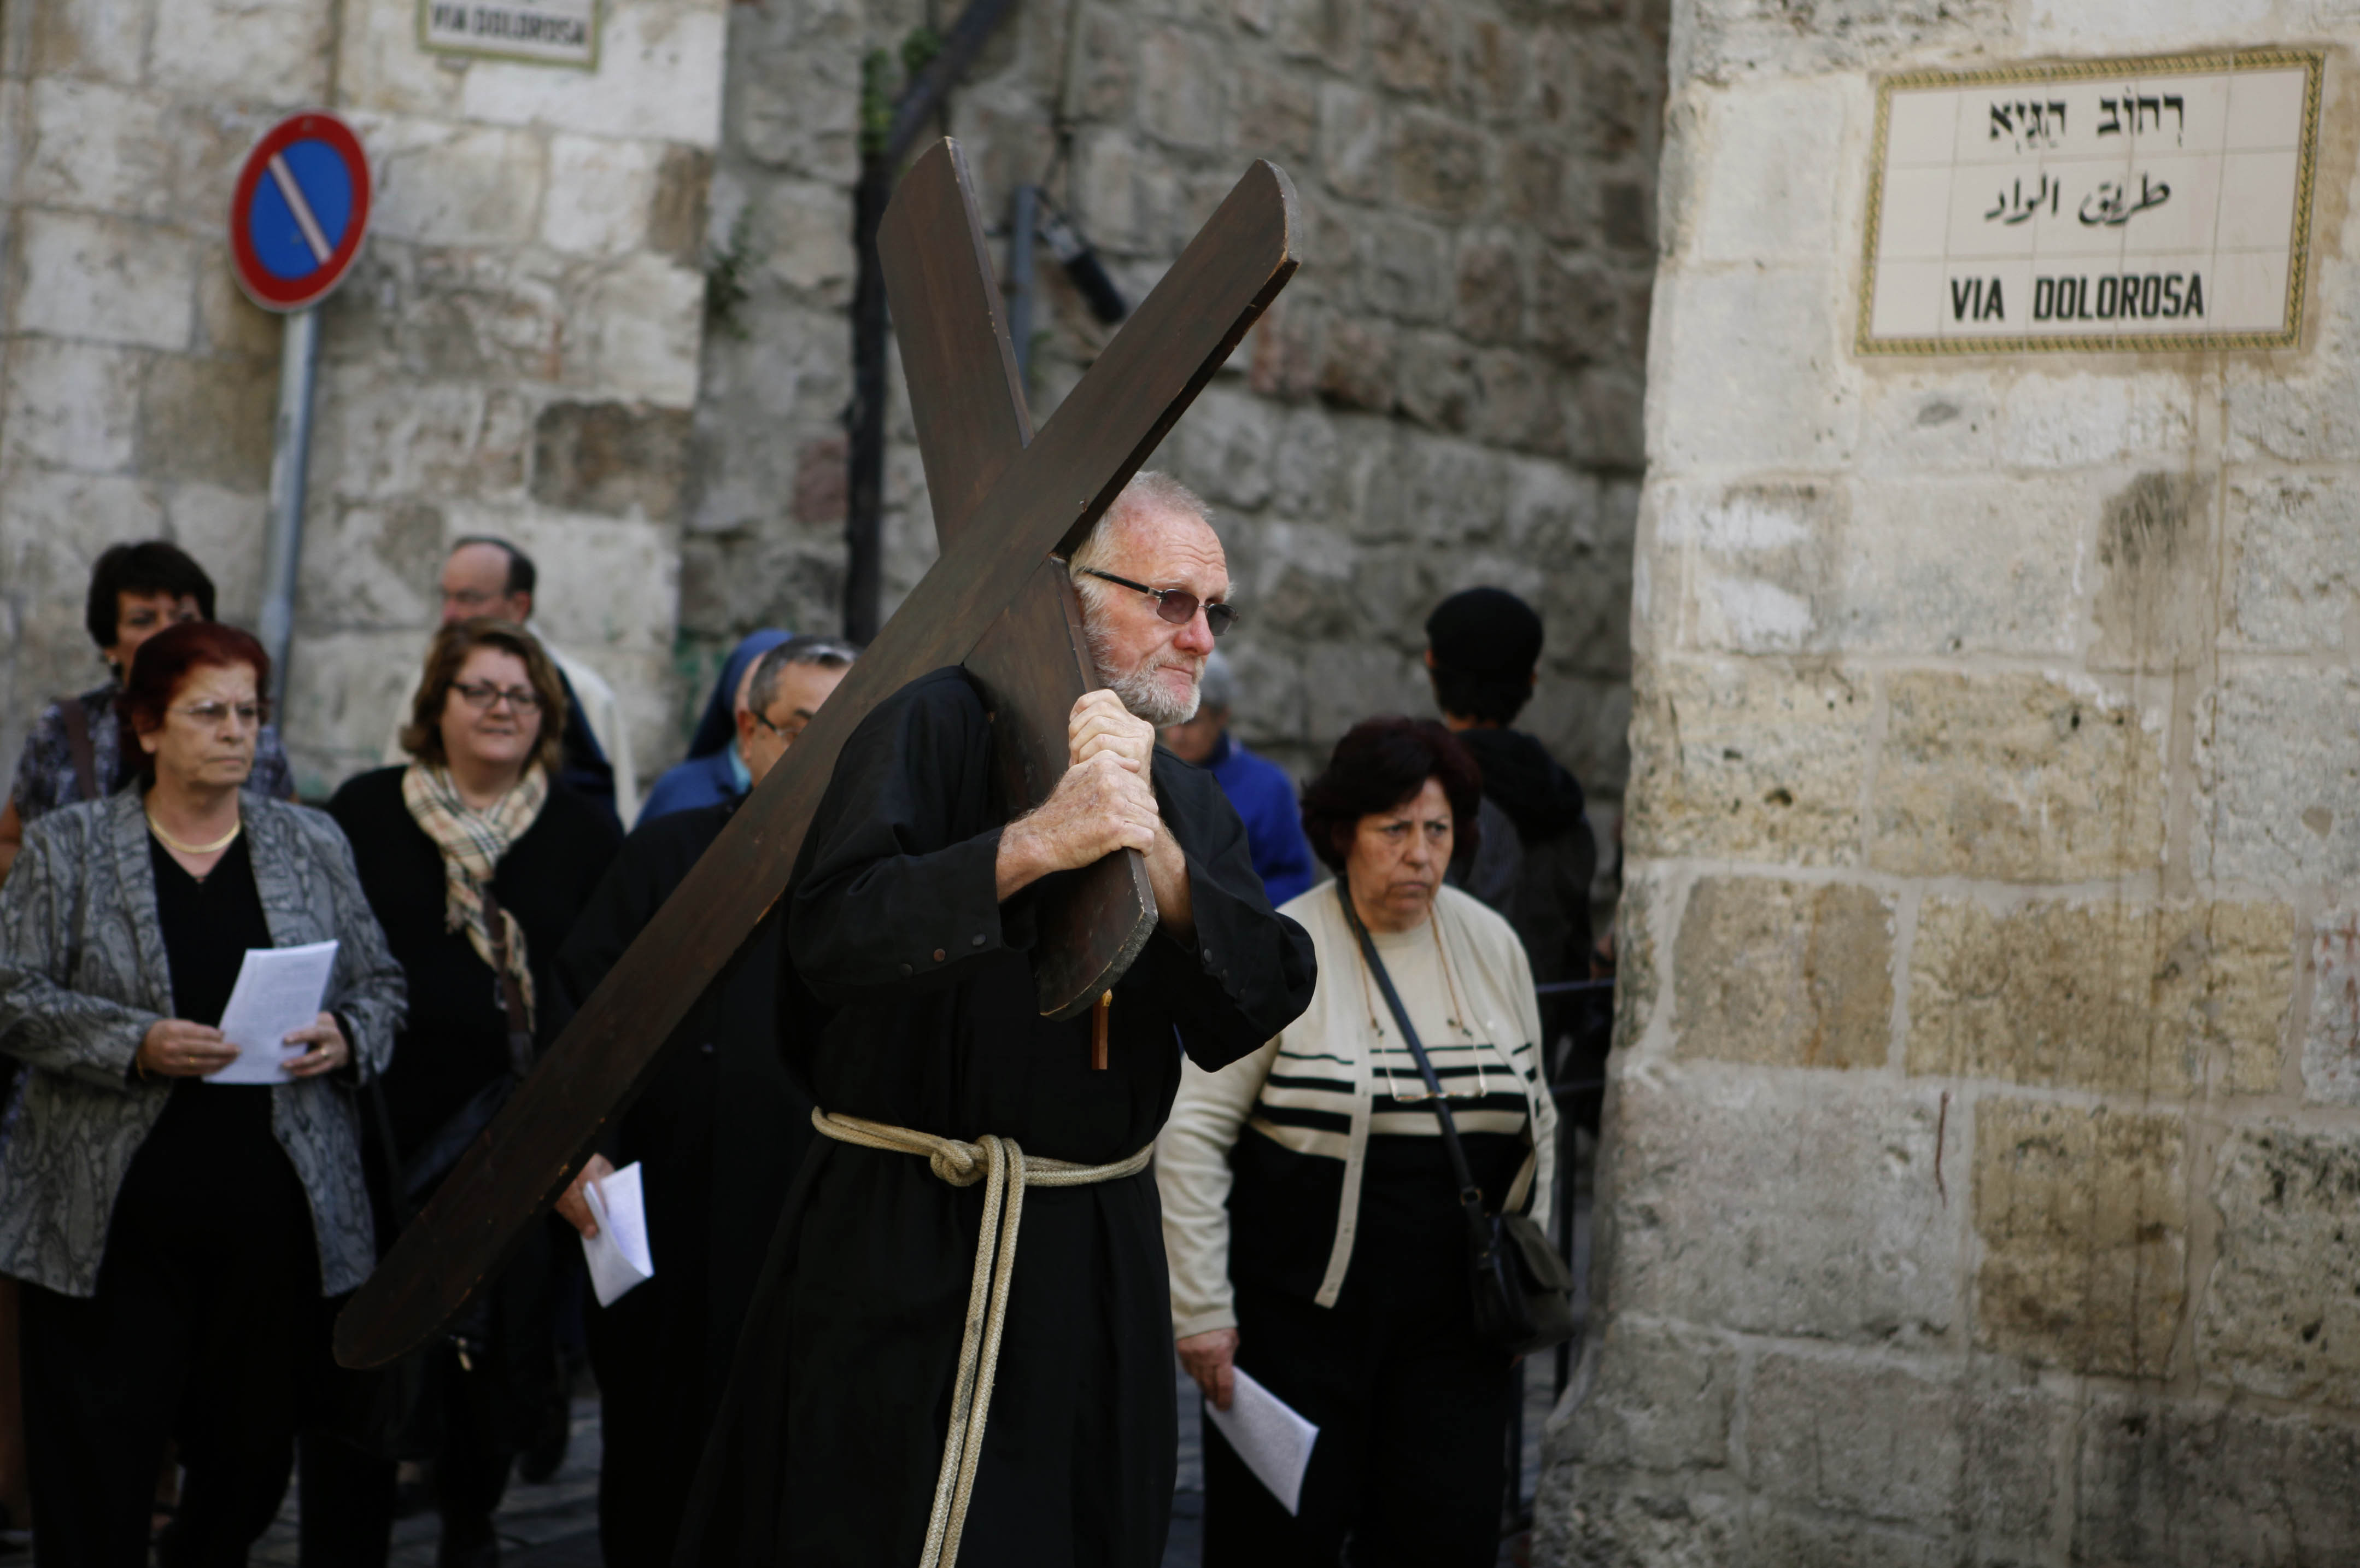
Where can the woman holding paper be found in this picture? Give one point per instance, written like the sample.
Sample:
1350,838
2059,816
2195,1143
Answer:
1311,1208
477,859
180,1244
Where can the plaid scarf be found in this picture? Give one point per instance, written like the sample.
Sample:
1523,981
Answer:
472,843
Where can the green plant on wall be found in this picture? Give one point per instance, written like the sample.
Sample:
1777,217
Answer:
725,269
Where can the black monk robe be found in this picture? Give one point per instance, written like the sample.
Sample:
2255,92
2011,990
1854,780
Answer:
923,1014
717,1135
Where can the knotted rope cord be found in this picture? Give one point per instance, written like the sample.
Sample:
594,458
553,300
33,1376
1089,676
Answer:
1006,1171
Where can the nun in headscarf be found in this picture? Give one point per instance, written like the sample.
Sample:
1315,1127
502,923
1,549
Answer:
714,773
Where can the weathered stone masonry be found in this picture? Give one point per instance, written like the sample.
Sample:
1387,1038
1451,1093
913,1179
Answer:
1985,1170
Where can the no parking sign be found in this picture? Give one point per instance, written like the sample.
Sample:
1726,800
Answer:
297,212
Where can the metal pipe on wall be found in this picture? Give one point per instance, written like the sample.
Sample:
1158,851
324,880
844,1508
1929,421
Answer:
290,446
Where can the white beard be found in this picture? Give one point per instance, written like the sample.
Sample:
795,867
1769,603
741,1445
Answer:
1141,692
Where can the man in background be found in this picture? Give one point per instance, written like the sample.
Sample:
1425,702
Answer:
717,1135
485,575
1258,787
1535,853
799,673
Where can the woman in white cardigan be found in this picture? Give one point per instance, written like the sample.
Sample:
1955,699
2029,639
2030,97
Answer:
1310,1214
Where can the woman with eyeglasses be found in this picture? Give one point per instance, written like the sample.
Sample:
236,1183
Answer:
180,1247
1311,1211
477,859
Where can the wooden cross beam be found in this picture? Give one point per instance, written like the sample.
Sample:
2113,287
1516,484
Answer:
1006,503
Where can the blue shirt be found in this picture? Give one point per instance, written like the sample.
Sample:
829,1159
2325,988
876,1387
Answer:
711,780
1264,797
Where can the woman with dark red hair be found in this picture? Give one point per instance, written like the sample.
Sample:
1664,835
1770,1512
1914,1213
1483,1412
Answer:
179,1244
1311,1202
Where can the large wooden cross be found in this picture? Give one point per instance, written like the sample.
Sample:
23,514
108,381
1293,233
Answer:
1006,504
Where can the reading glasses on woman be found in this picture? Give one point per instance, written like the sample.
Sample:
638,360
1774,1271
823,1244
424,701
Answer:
483,696
1177,605
213,715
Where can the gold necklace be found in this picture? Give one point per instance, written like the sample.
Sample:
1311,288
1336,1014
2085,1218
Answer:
219,844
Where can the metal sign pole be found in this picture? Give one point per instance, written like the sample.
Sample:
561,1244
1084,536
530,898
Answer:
290,448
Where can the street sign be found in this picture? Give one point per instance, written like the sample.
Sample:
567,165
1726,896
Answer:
297,212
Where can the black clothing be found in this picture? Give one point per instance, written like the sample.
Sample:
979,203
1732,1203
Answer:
842,1386
583,766
1413,1414
719,1134
475,1416
207,1314
456,1037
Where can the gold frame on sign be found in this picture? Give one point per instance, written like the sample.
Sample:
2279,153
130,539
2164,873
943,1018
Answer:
2216,62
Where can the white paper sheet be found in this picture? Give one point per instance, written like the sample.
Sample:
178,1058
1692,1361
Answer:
279,991
1273,1441
617,1254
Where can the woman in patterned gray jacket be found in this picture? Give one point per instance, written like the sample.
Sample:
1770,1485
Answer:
179,1244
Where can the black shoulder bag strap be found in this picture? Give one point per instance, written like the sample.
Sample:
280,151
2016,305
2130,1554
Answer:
1470,1197
77,743
519,1032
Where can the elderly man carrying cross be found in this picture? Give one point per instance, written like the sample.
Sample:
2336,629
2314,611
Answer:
912,913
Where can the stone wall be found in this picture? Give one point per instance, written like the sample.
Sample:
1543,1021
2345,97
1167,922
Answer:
1448,393
516,352
1985,1155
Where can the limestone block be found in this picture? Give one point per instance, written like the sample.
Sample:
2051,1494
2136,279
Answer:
1275,116
1222,449
2102,995
2155,546
798,108
1582,311
617,460
2083,1219
1915,423
71,405
645,325
1784,974
1543,192
265,52
1319,31
2017,1441
345,690
806,236
1440,164
1743,37
53,526
1945,566
2050,421
97,147
1824,1191
1345,684
2296,543
2277,748
1351,141
1355,367
95,39
2308,412
378,437
1405,268
2282,1310
2330,1047
609,586
475,185
1409,45
1180,89
2019,777
1437,381
1727,339
227,321
226,531
209,419
371,566
1517,401
1584,1514
1638,917
2162,1484
380,70
1781,1537
660,69
1875,1442
599,192
1748,761
1492,78
1491,305
1661,1402
678,212
1769,190
104,278
2085,24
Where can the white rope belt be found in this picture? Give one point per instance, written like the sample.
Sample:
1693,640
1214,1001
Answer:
1006,1171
